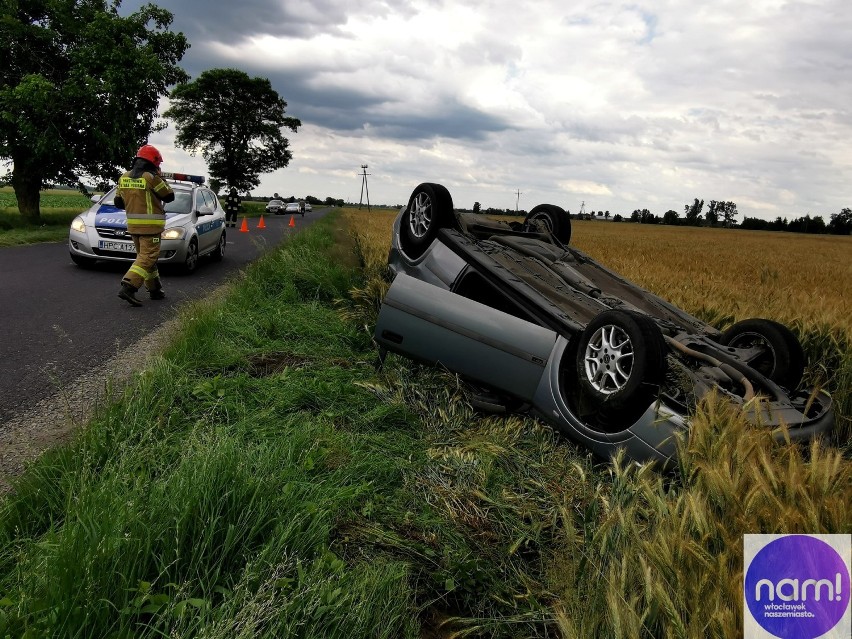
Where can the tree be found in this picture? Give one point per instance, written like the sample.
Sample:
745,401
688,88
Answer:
779,224
693,213
755,224
477,207
729,213
235,122
670,217
79,90
840,223
712,215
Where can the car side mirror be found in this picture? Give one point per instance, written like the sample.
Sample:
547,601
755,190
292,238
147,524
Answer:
204,210
96,198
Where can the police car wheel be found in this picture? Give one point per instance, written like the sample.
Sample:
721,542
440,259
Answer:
219,252
190,262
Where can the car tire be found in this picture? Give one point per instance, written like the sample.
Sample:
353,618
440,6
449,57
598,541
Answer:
82,262
620,366
219,252
783,361
190,262
429,209
555,218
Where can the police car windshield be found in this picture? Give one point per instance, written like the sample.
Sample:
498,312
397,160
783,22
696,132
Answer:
181,204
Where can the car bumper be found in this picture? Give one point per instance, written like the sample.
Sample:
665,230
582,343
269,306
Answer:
97,248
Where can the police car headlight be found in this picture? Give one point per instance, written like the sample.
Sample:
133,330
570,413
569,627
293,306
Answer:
173,234
78,225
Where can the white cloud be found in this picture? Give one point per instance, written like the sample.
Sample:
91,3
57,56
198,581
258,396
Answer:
624,105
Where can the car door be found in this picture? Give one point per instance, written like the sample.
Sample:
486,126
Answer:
206,223
439,327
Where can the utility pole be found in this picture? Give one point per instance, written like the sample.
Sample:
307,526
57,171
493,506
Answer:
364,187
517,200
582,214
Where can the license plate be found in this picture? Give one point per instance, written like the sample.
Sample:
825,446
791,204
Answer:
127,247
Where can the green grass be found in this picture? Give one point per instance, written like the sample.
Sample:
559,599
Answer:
262,479
58,208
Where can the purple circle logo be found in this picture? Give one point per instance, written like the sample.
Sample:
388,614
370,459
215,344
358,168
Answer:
797,587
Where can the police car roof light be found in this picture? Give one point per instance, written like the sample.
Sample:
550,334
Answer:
198,179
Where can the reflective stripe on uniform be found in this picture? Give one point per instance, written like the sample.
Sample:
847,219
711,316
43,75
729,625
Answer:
142,219
141,272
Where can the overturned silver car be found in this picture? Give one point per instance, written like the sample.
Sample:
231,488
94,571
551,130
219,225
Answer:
544,328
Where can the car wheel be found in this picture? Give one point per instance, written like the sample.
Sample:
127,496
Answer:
620,365
219,252
780,356
82,262
557,221
190,262
430,208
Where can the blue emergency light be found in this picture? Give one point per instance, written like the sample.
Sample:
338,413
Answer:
184,177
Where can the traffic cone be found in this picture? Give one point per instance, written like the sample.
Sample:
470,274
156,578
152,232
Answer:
244,227
292,221
261,224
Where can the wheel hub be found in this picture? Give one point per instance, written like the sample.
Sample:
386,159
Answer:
420,215
608,359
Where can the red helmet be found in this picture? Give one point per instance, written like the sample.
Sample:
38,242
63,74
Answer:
151,154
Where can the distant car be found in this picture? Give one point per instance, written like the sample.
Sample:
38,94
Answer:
195,226
276,207
294,207
308,208
540,327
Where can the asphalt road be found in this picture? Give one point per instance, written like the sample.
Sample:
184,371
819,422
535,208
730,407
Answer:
58,320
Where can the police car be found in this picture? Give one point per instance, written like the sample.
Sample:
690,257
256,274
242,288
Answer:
195,226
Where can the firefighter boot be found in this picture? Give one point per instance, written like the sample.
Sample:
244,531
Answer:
156,291
128,293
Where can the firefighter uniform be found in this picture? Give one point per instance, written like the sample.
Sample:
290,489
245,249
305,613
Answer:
142,193
232,207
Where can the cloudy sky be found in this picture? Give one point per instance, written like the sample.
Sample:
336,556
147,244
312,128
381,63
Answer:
618,105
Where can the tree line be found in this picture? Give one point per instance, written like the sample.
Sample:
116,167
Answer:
722,213
718,213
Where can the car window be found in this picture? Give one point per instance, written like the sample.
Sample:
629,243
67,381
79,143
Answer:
181,204
209,199
109,198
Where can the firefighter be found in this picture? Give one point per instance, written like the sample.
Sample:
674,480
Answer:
143,194
232,207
